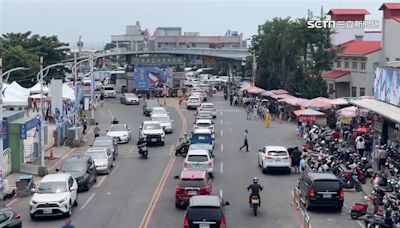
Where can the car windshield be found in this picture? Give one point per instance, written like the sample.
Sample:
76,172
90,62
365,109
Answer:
108,88
130,95
52,187
194,99
199,147
277,153
203,124
162,119
201,138
195,183
204,116
324,185
97,155
117,128
159,110
152,126
208,108
72,167
102,143
204,213
197,158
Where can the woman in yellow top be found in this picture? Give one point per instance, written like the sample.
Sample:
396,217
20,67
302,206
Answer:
267,119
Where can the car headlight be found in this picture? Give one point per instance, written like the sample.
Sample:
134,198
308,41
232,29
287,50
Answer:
63,200
33,202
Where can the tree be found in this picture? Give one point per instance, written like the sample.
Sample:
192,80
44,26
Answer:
291,56
25,49
109,46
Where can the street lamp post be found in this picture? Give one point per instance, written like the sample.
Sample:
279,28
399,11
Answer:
254,68
6,75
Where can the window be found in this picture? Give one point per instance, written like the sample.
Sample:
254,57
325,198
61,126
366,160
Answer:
398,59
353,91
346,63
339,63
363,65
330,88
354,64
4,217
193,44
362,91
387,59
375,65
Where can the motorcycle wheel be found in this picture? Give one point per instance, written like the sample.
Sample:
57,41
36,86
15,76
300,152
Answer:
358,188
354,215
255,207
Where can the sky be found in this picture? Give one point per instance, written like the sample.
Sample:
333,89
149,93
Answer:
97,20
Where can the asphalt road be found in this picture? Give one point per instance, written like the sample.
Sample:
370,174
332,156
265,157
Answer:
140,193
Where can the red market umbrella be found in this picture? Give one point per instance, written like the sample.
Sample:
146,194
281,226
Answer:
362,129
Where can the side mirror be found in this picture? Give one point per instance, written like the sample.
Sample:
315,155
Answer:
91,145
140,128
57,170
33,190
107,130
176,177
73,188
227,203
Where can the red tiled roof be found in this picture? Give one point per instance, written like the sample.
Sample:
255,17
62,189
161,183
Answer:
390,6
335,73
360,47
348,12
396,18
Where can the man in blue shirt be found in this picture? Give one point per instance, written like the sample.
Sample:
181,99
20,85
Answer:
67,224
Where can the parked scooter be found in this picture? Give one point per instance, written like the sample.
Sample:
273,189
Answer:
349,180
360,209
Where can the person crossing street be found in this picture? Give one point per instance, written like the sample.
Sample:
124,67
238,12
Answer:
246,143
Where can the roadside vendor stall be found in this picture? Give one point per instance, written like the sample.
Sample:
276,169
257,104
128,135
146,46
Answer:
311,115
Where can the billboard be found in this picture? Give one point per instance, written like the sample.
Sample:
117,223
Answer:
56,99
147,78
387,85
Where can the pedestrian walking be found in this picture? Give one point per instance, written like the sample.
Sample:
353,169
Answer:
303,163
383,155
84,124
360,144
255,114
246,142
267,119
68,224
96,130
296,157
248,111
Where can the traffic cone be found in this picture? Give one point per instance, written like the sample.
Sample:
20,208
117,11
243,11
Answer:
51,157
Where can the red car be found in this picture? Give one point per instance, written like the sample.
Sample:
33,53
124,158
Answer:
191,183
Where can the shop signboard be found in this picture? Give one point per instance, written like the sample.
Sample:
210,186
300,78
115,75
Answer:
3,129
25,127
146,78
378,123
387,85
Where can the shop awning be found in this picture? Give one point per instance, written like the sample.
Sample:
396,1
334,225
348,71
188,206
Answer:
382,108
308,112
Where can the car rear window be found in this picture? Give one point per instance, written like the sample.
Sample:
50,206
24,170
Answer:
197,183
108,88
197,158
277,153
208,213
326,185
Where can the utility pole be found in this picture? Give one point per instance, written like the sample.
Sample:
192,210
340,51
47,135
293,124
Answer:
254,72
42,169
1,116
92,88
75,72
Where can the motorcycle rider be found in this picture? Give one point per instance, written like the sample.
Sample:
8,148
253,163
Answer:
185,139
184,142
114,121
142,142
255,190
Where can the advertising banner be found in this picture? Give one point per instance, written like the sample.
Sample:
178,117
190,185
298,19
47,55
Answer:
387,85
56,99
147,78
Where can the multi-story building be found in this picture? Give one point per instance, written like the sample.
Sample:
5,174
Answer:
353,70
135,39
390,32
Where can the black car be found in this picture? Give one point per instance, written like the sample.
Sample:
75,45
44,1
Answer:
148,106
10,218
205,211
83,169
321,189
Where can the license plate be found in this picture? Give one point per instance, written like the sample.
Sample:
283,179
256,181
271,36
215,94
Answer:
278,160
47,211
192,193
202,225
326,195
254,201
154,140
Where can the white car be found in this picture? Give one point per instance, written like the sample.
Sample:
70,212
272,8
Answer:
274,157
129,98
208,107
121,132
165,121
109,91
103,159
199,160
152,131
86,81
56,194
204,123
193,102
158,111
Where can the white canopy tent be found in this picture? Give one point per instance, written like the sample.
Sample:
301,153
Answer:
13,96
17,87
36,89
68,92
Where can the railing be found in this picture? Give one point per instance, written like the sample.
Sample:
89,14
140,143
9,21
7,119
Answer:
6,162
297,203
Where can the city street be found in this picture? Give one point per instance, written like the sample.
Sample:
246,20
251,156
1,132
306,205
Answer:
140,193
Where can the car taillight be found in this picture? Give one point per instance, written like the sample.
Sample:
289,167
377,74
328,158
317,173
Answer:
312,193
186,222
341,193
222,223
286,158
185,164
179,190
17,215
267,158
205,190
210,164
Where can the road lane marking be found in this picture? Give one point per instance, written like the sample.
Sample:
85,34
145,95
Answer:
222,147
154,200
12,202
221,113
222,132
114,169
109,112
102,179
221,122
87,201
171,150
221,194
61,159
360,223
222,167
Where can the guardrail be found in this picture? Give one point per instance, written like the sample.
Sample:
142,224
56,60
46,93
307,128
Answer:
299,206
6,162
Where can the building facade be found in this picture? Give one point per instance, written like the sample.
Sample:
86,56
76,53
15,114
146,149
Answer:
134,39
390,32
